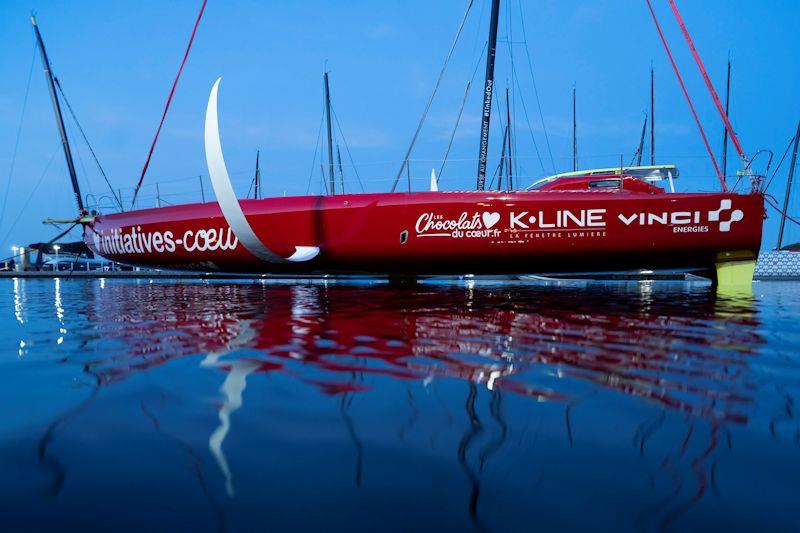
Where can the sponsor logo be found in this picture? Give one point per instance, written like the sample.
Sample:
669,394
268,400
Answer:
561,219
521,226
467,225
490,219
515,224
716,216
687,221
135,241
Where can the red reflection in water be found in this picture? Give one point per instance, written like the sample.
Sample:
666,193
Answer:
684,350
679,354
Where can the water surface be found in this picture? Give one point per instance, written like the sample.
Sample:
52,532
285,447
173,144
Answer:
457,406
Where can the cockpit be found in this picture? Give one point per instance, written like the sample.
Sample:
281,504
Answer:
639,178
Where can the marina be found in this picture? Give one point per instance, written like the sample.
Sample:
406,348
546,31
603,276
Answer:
439,278
618,217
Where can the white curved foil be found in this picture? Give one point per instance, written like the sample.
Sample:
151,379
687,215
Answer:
227,200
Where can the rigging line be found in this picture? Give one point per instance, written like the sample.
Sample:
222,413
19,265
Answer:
19,133
513,103
502,162
497,170
192,178
530,130
322,179
461,110
637,155
86,140
341,168
453,133
509,39
84,175
31,195
523,173
512,137
709,85
515,139
498,110
773,205
688,98
169,101
316,150
478,31
250,188
535,89
347,149
785,153
433,94
513,134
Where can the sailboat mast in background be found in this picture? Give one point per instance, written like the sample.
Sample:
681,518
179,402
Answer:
257,178
724,129
62,131
789,187
508,136
574,131
331,175
652,117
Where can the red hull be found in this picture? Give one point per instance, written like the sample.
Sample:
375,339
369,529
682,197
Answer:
445,232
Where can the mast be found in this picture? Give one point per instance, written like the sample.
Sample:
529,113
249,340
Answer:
488,91
62,131
652,116
724,129
574,132
789,186
508,128
331,176
257,178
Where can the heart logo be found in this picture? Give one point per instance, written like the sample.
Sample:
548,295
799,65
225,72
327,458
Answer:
490,219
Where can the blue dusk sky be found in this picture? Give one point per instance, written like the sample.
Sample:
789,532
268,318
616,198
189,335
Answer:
116,62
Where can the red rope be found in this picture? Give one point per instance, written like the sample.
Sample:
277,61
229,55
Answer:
688,99
710,86
169,101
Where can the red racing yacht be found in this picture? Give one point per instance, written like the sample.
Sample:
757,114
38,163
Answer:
580,222
632,226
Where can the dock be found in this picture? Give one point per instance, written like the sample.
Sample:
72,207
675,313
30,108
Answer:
771,266
778,265
125,274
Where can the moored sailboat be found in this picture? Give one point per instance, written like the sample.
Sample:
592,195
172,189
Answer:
631,224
